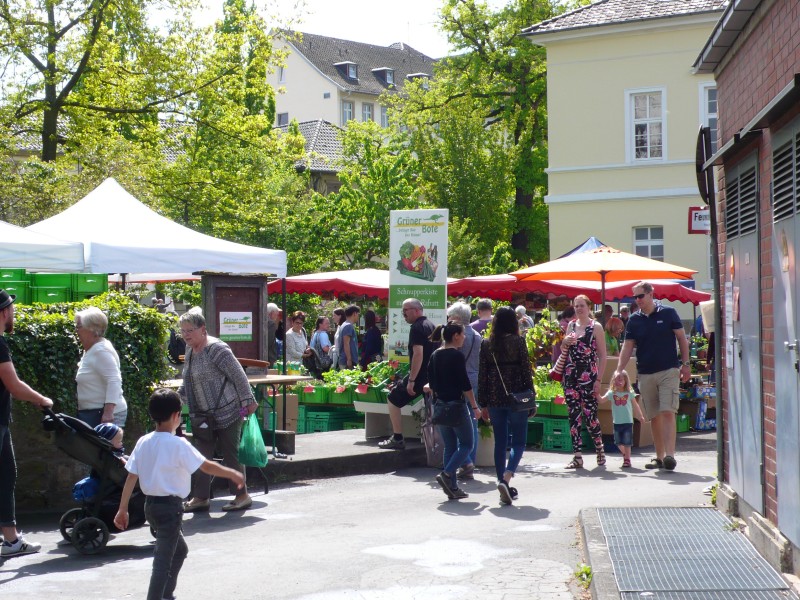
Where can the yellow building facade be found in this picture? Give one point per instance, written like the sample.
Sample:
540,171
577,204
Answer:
624,110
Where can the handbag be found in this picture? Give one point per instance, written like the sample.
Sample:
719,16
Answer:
448,414
519,401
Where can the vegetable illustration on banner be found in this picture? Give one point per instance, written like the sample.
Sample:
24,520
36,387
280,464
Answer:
418,269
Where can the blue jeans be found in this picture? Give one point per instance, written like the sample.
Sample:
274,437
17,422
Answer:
165,515
505,421
457,445
8,478
91,416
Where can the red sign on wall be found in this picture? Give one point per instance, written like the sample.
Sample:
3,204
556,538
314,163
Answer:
699,219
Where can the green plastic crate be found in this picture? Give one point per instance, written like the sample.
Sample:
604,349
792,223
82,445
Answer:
353,425
343,397
79,296
318,396
96,283
20,289
317,421
535,433
373,394
59,280
557,442
50,295
12,275
543,408
682,423
559,410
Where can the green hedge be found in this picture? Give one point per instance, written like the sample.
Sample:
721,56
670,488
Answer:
46,350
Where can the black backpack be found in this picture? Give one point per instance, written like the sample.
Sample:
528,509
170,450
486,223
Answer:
176,347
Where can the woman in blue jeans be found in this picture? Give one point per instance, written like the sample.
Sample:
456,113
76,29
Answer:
504,364
447,378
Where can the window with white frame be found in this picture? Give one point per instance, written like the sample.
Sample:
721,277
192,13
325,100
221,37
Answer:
649,242
389,76
708,111
352,71
384,116
347,112
281,74
367,112
283,119
646,125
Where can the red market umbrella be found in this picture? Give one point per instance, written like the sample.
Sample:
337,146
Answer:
604,265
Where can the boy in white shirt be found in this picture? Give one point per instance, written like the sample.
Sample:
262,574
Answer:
163,464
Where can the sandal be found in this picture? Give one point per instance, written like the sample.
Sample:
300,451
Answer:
575,463
626,463
601,458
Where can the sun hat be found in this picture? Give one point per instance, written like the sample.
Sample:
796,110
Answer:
107,430
6,299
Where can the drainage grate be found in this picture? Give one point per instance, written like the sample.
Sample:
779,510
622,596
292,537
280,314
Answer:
726,595
685,554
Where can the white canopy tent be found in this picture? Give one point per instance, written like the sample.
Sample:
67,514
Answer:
122,235
23,249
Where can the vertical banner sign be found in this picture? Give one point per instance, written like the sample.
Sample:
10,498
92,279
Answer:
417,269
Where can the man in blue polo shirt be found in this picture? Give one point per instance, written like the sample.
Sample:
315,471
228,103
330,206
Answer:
653,330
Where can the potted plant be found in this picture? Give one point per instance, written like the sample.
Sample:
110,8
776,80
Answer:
542,337
484,457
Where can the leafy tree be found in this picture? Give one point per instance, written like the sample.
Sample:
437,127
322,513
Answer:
377,177
499,76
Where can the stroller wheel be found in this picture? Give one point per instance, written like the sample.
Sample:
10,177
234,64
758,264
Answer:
68,520
90,535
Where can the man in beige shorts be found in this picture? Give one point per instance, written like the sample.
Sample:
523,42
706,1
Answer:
653,331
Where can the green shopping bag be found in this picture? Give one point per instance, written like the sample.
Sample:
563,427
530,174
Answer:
252,451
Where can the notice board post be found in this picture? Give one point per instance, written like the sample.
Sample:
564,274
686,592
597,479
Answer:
235,308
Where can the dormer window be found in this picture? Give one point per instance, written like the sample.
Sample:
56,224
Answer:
349,69
386,74
424,76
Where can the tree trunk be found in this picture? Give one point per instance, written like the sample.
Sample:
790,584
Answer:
49,135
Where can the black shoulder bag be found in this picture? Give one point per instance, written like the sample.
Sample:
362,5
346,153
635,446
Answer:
518,401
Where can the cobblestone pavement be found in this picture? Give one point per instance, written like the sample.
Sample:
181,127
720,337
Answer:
375,537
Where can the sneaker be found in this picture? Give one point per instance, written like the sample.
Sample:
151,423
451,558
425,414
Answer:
443,479
392,444
465,473
18,548
655,464
459,494
513,492
505,493
670,463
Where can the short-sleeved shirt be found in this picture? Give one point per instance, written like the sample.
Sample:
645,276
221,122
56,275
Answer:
654,335
621,406
5,395
164,464
419,335
348,329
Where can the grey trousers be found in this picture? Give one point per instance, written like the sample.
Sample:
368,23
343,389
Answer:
227,442
165,515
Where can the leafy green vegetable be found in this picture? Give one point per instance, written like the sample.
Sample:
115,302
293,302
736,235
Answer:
406,249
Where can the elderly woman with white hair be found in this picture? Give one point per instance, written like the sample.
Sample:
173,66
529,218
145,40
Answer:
99,377
460,312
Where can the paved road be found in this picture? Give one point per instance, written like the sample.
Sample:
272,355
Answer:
377,537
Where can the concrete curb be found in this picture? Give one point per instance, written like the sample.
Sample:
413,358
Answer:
604,584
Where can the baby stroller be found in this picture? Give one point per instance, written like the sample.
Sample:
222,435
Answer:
88,526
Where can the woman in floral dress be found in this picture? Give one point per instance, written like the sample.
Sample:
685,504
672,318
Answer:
586,361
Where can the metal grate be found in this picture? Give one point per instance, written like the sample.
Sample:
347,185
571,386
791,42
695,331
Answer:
685,554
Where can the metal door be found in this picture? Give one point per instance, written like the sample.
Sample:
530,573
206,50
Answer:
786,298
743,337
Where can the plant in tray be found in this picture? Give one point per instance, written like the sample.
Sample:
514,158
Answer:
542,337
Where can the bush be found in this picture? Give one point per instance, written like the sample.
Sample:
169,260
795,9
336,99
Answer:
46,351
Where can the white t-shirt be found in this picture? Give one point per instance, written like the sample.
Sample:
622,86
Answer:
164,463
99,378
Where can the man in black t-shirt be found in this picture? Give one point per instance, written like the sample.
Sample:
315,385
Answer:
420,349
13,543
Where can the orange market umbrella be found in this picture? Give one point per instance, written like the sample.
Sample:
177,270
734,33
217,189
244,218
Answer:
604,264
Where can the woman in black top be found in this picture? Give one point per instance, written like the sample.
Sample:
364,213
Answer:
447,378
504,355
